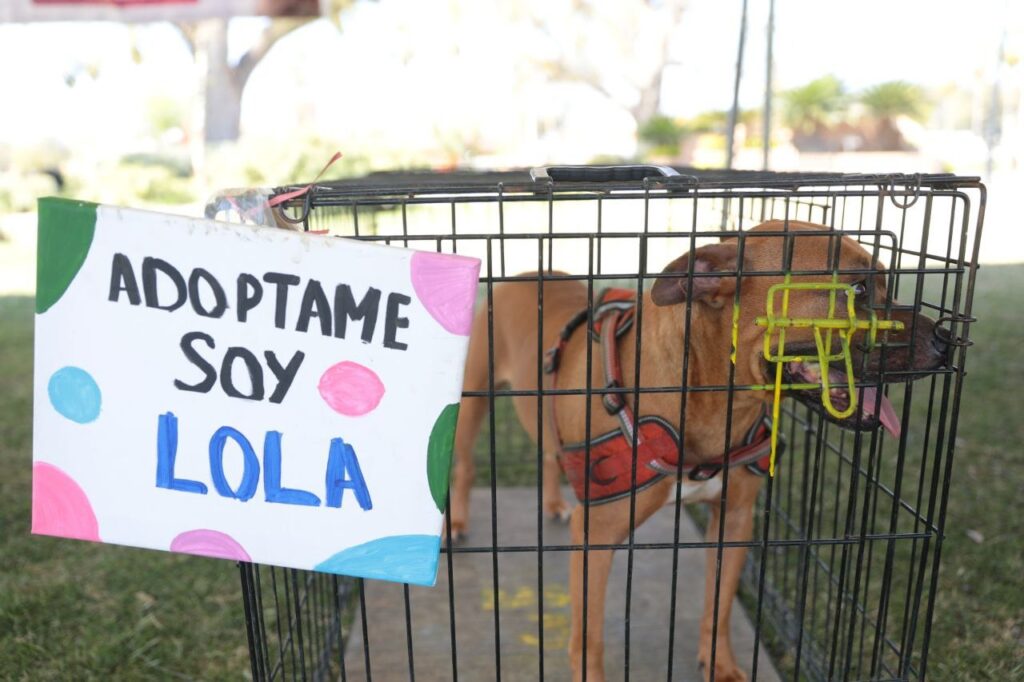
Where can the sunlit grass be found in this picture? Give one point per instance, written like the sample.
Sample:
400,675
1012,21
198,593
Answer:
73,610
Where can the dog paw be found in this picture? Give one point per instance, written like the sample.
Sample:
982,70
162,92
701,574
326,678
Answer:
723,673
559,511
459,531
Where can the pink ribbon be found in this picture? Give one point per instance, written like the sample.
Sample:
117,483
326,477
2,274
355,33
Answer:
281,198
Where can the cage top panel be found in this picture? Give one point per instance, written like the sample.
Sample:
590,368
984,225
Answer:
572,179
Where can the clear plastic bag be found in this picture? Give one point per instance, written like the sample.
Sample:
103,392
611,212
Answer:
249,206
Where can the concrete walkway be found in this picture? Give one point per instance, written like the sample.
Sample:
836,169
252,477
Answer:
518,607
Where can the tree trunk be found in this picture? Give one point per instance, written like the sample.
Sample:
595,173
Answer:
222,110
223,83
650,98
649,104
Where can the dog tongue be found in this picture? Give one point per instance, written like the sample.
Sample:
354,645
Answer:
887,414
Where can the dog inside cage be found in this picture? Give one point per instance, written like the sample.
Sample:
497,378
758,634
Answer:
706,430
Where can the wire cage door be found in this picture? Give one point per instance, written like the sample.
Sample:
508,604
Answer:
842,564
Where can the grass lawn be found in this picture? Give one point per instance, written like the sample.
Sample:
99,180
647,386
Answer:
74,610
978,631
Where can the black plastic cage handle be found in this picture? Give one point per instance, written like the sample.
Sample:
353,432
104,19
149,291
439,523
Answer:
619,173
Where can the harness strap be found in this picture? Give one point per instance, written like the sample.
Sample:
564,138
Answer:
754,453
554,354
610,319
615,403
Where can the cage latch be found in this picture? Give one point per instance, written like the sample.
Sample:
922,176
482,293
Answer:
947,336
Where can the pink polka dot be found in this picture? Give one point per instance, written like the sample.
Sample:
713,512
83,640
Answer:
211,543
446,286
351,389
60,507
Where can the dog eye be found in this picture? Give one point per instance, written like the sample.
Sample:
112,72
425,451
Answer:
860,289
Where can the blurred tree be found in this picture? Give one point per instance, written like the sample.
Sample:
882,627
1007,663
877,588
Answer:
223,81
164,113
621,49
810,108
883,104
707,122
662,134
895,98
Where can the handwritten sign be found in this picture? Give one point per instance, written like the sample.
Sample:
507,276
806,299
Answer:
246,393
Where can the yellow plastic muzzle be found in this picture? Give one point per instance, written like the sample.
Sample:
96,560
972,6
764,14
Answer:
824,330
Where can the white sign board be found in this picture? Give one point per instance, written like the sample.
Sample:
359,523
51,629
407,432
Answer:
244,392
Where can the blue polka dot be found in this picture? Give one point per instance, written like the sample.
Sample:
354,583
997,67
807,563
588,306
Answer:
402,558
74,394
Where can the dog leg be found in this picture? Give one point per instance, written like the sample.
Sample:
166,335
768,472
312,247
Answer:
471,415
599,566
609,525
739,525
555,505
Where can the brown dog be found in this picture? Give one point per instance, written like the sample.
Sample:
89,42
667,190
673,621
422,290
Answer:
516,363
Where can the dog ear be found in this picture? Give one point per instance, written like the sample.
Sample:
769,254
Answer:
720,257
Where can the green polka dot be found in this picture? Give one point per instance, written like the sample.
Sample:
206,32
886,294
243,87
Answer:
439,453
66,229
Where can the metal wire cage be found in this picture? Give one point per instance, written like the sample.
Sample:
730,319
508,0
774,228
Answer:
841,573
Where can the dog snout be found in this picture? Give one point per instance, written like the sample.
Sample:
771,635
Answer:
921,346
931,345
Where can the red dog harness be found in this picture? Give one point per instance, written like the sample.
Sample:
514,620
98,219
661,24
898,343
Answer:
609,466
